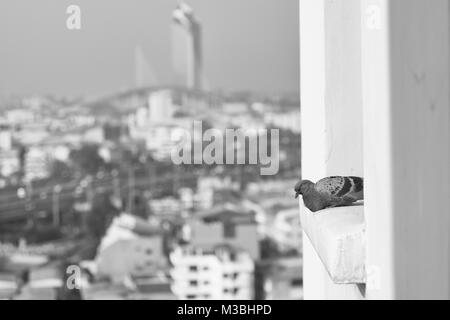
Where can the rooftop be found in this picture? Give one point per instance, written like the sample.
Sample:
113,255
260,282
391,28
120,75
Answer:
228,213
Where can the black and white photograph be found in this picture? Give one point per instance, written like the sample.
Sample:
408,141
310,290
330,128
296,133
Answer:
239,152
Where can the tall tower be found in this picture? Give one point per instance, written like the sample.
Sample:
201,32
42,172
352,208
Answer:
187,48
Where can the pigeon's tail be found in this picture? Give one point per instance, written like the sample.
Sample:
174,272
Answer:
357,188
358,184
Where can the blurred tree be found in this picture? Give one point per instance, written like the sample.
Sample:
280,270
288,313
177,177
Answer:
269,248
86,159
100,216
60,170
140,206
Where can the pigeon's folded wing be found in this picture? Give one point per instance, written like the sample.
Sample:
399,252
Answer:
341,187
333,186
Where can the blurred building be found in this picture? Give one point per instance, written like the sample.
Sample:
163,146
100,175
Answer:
131,246
286,230
187,47
47,277
227,224
32,133
155,125
19,116
280,279
9,162
36,164
5,138
161,140
154,287
44,283
58,152
284,120
216,183
210,188
95,134
165,207
30,293
105,291
160,106
220,273
235,108
8,285
186,197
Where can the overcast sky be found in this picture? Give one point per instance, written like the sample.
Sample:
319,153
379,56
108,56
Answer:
248,44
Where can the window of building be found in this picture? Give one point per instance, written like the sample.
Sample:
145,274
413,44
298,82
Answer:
191,296
149,251
297,282
229,230
235,290
193,268
193,283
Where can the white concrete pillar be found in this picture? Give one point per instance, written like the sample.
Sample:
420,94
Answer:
405,61
330,76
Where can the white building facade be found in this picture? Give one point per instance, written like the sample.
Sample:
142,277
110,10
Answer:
375,103
129,248
215,274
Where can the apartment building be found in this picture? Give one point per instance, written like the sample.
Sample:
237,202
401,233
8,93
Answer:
221,273
226,224
36,164
131,246
9,162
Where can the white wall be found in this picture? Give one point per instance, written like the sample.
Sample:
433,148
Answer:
209,275
330,79
375,91
208,235
407,142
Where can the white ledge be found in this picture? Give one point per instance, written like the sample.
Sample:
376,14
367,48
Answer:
338,236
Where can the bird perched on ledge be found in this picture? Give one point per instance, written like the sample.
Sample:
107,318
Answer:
330,192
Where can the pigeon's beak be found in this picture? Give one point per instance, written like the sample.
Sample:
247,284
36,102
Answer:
297,194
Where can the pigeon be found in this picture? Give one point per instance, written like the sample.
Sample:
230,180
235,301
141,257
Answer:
330,192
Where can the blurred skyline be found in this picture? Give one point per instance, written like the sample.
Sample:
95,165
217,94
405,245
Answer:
248,45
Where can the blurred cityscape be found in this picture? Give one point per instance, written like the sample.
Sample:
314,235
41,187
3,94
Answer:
92,206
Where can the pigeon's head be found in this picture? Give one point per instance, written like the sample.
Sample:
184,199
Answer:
302,187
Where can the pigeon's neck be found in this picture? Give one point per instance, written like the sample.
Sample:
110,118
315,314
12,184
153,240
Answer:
309,190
